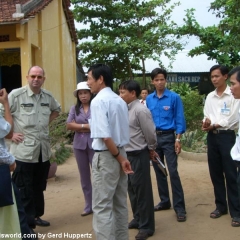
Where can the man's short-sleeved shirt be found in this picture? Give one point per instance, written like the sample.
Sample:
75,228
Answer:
31,114
109,119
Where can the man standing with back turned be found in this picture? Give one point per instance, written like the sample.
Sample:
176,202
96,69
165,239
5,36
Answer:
32,109
220,120
110,132
167,111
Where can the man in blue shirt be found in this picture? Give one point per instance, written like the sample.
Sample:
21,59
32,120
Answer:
168,115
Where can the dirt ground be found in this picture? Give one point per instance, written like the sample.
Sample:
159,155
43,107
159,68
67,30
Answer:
65,202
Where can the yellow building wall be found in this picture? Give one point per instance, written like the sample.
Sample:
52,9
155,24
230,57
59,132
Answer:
69,61
9,30
46,41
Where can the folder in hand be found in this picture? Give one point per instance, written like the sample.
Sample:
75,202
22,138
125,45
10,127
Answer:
161,166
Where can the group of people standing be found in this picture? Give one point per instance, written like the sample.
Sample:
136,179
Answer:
155,128
115,137
125,136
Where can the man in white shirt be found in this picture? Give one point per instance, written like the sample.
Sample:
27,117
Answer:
110,132
234,75
220,121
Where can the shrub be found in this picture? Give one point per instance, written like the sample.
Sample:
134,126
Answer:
194,139
193,105
59,136
61,154
193,110
58,132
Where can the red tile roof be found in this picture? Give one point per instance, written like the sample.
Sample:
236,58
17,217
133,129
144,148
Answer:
30,9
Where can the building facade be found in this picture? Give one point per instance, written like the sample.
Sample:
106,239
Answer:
39,32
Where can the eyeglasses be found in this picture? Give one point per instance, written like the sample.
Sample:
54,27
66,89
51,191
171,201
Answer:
35,76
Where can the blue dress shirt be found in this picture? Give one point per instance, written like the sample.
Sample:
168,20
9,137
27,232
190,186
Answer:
167,111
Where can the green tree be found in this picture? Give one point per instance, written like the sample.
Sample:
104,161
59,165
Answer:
193,105
124,33
220,42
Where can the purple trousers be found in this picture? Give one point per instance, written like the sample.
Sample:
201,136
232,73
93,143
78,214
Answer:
84,162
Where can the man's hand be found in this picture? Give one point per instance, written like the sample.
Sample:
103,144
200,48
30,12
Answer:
17,138
206,125
178,147
153,155
126,167
12,167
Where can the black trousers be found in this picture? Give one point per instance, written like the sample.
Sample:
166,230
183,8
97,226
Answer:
166,147
223,169
21,214
31,180
140,191
238,178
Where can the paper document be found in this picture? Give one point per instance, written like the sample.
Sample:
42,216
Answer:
161,166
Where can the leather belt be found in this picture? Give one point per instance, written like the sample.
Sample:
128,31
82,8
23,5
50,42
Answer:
160,132
222,131
136,152
106,150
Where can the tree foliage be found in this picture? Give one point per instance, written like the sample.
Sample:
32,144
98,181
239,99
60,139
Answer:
193,104
124,33
220,42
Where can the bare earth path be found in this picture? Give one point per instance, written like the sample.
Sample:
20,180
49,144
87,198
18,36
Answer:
64,204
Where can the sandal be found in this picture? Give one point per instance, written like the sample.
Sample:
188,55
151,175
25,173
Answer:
217,213
236,222
181,217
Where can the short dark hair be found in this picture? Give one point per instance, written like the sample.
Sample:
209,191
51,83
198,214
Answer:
144,89
103,70
223,69
157,71
131,85
233,71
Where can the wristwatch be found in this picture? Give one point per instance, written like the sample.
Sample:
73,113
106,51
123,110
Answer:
178,140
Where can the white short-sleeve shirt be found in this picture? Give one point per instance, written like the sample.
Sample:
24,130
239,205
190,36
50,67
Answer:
109,119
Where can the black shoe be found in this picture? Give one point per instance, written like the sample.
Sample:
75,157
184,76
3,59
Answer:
217,213
41,223
142,235
181,216
133,224
33,234
161,207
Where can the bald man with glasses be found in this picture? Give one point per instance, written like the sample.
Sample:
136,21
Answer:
32,109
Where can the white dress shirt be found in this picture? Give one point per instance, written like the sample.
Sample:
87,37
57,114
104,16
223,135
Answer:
235,151
143,102
222,110
109,119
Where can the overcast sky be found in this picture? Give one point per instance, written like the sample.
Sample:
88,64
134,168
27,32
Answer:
203,17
